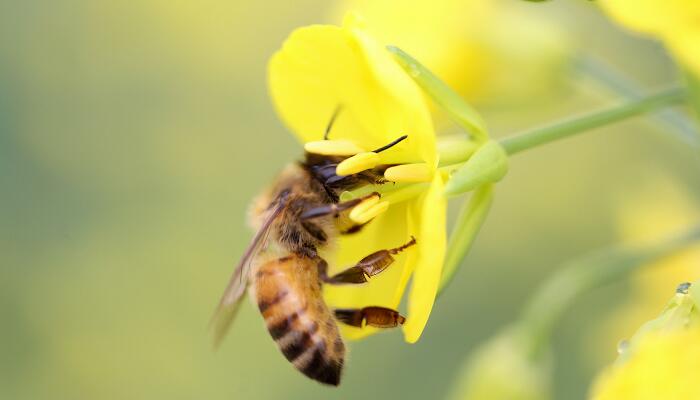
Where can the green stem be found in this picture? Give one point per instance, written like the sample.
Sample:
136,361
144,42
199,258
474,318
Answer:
559,130
557,293
609,78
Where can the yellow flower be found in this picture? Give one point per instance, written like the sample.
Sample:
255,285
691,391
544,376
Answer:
473,45
675,22
665,366
662,361
321,68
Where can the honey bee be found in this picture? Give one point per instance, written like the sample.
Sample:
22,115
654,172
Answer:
297,216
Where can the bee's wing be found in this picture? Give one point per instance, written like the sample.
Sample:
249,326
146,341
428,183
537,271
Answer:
231,299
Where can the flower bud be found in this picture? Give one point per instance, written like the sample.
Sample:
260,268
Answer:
489,164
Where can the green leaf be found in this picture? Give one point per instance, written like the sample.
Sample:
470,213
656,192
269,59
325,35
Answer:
489,164
443,95
470,220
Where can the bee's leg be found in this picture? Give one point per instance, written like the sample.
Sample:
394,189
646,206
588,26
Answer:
334,209
378,317
369,266
354,228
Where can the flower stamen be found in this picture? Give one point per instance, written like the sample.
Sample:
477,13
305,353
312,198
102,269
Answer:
339,147
368,213
363,207
392,144
408,173
358,163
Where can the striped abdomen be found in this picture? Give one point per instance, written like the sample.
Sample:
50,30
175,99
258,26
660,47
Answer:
288,293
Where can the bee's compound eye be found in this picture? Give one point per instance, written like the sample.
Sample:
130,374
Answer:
340,147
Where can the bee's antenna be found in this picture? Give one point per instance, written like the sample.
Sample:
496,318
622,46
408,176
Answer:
390,145
330,123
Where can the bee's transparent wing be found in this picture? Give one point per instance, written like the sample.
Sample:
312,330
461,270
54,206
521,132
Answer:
231,299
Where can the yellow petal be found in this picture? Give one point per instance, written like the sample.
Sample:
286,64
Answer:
687,49
333,147
673,21
358,163
388,230
409,173
428,217
469,43
322,67
653,16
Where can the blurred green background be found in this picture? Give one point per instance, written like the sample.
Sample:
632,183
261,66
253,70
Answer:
134,133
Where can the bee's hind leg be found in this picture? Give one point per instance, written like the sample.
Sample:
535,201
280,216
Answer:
369,266
378,317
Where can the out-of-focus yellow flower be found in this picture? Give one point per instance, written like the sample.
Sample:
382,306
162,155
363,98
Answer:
662,360
323,67
502,369
665,366
675,22
484,49
660,209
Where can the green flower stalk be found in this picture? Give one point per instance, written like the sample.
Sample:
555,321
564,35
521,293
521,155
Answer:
614,82
586,122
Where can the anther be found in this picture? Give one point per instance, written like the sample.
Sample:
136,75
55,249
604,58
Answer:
409,173
340,147
369,213
363,207
358,163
